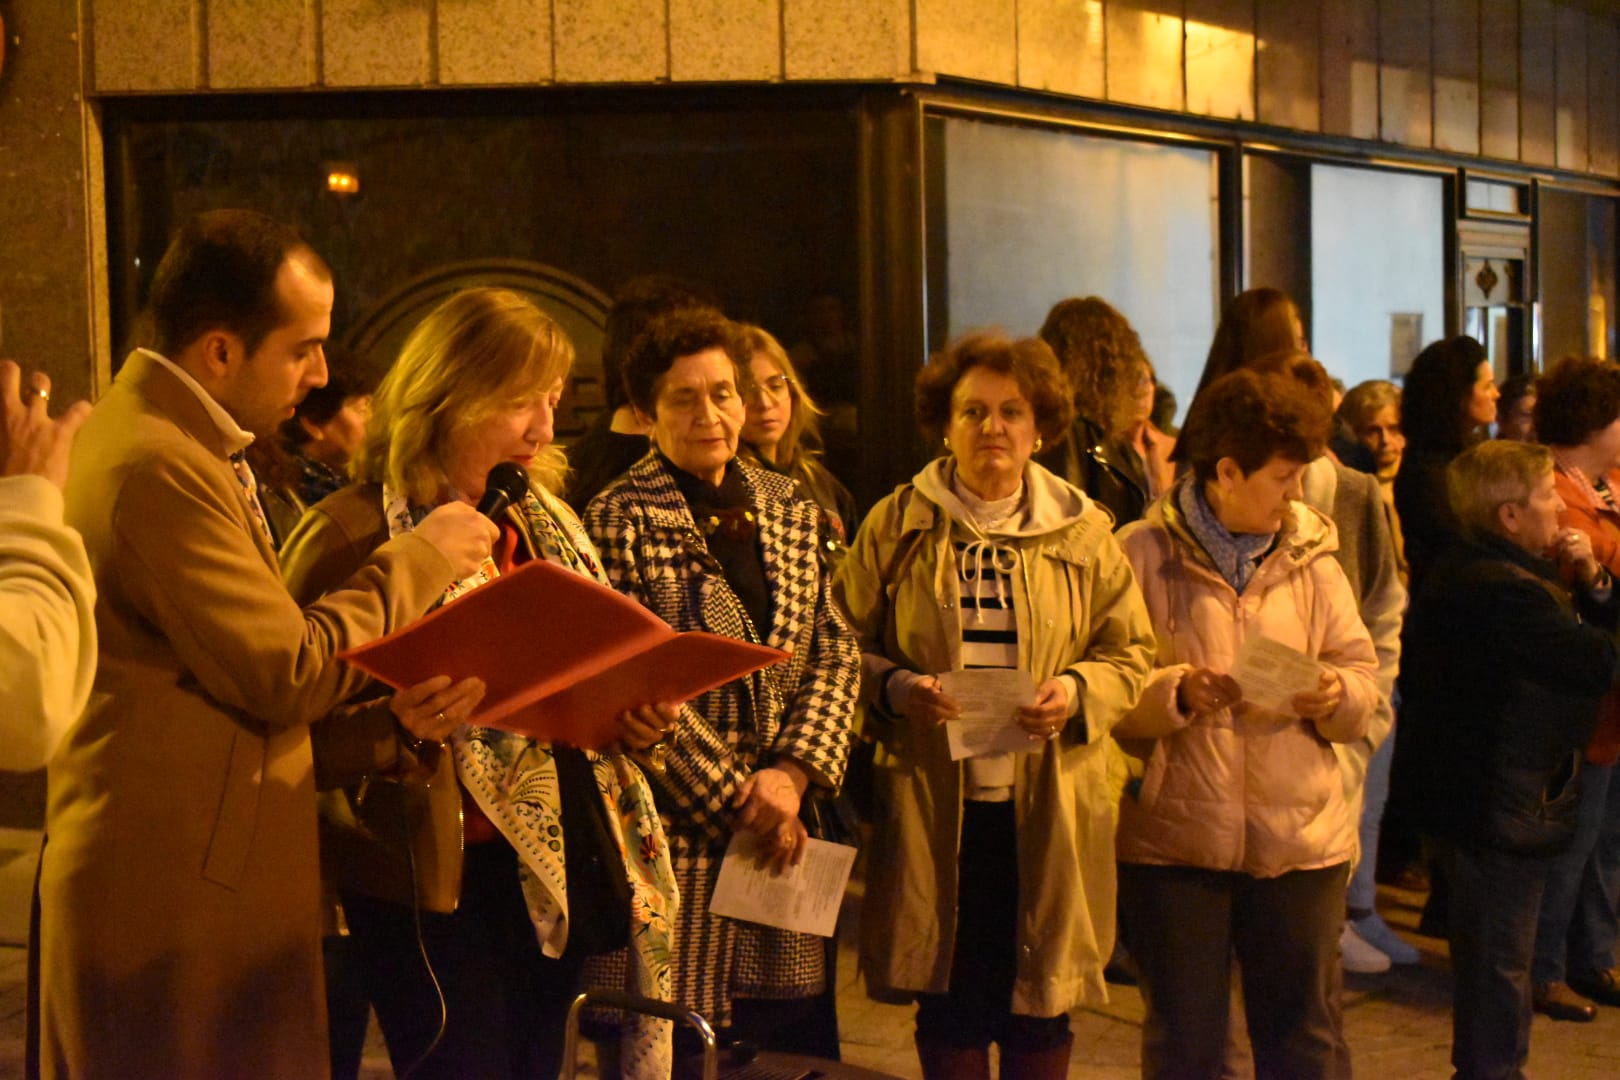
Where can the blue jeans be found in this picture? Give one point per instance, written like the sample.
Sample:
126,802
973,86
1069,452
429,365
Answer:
1495,900
1578,926
1361,898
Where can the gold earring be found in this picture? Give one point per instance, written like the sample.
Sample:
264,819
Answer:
1037,444
946,440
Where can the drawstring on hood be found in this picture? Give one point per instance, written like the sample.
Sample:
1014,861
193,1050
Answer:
1036,509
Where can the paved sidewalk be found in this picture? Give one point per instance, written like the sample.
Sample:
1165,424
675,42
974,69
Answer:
1399,1024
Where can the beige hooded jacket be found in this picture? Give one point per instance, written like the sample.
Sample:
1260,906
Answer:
1078,613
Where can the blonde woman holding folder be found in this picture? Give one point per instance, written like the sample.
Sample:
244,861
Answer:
559,854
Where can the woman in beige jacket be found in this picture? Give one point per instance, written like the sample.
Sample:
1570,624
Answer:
990,895
1238,835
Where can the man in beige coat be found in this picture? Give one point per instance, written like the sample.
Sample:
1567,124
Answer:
179,889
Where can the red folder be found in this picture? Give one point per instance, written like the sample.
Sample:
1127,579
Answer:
560,655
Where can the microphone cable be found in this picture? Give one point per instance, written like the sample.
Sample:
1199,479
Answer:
427,963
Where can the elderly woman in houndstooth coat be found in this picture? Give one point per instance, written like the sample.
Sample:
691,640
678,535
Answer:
709,542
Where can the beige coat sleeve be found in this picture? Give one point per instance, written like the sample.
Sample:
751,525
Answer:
224,610
47,622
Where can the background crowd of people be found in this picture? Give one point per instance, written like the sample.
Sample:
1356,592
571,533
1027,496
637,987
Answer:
249,842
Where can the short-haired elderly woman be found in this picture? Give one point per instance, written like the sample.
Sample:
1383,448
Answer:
990,888
560,850
708,541
781,434
1238,837
1577,415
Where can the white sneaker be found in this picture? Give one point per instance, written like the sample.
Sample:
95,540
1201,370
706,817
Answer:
1360,957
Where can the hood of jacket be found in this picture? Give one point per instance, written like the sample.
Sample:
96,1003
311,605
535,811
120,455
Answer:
1050,504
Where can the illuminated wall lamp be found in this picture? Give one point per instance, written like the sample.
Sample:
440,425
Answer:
342,178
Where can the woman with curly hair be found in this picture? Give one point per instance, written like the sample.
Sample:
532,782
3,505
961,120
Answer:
1113,452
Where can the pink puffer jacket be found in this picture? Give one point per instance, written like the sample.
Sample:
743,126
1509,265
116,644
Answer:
1242,789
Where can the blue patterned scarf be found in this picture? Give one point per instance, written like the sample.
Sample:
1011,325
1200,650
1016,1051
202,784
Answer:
1235,555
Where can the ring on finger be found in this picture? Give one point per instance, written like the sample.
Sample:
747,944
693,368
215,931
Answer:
41,393
439,716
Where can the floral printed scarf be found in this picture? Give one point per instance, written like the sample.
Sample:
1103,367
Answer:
514,780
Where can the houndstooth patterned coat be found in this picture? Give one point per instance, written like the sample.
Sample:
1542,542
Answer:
802,707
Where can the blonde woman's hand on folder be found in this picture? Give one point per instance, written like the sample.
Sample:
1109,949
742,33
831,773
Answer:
462,535
434,708
648,725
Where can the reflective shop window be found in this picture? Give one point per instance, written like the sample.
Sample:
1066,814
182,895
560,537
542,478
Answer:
1020,217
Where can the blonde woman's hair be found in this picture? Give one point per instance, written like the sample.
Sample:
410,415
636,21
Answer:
480,352
803,433
1489,475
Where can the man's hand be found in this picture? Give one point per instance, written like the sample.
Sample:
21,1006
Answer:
1573,549
462,534
34,444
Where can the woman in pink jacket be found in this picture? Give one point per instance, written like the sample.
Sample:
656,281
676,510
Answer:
1237,836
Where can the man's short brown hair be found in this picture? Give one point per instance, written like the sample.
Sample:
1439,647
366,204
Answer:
220,274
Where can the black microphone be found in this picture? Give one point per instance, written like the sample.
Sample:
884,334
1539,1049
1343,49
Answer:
506,484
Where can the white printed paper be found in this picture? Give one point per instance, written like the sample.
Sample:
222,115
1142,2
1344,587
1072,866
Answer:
988,697
805,898
1271,673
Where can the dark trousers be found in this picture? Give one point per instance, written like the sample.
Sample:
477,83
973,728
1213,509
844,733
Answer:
1183,925
1579,922
1495,903
504,1002
977,1008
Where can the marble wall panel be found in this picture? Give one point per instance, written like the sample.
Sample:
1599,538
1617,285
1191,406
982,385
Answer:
612,40
370,43
1144,53
975,39
261,43
1350,68
1288,65
1603,96
1571,93
1456,76
1405,84
145,45
1060,46
1538,82
1220,58
1499,79
713,40
494,42
847,39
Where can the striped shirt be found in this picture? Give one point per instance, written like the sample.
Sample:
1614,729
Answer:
989,640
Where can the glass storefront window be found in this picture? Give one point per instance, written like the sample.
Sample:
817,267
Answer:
1021,217
1377,269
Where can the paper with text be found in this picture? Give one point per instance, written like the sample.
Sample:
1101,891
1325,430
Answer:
805,898
988,697
1271,673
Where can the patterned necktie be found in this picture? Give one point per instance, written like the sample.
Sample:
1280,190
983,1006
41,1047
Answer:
250,488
